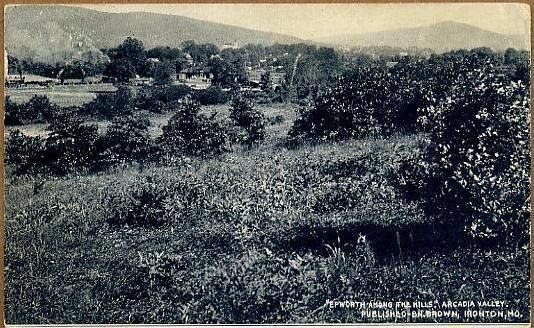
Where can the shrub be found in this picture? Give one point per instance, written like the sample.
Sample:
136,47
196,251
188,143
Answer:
211,96
24,152
275,120
191,133
142,203
127,139
13,112
110,105
163,72
70,145
477,169
152,200
157,98
249,120
38,109
349,110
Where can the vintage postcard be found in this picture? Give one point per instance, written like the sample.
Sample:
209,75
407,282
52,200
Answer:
267,163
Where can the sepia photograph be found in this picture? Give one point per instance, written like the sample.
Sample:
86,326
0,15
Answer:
284,163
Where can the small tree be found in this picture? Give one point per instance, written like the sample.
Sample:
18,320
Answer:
265,81
70,145
13,112
478,169
110,105
266,86
24,152
163,73
224,74
121,70
191,133
127,139
127,60
249,120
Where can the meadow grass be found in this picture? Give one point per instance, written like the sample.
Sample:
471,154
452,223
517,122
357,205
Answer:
258,235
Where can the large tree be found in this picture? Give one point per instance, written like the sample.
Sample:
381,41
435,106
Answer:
127,60
224,74
199,52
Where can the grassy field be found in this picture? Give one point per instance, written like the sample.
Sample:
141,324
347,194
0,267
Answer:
62,95
259,235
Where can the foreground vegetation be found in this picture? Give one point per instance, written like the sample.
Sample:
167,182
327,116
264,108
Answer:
407,184
258,236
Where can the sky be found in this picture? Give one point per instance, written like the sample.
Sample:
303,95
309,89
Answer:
311,21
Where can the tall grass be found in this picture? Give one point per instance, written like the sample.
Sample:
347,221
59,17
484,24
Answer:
259,235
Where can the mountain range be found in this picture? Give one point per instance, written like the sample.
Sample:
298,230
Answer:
440,37
61,33
52,33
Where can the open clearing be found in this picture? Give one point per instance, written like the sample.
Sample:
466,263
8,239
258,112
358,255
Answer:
62,95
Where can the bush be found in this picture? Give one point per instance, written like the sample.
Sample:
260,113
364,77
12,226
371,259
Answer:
191,133
110,105
157,99
127,139
211,96
24,152
40,109
71,145
152,200
141,203
477,169
275,120
352,109
249,120
13,112
37,110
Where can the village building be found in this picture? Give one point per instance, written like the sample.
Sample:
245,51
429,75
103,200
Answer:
195,77
255,74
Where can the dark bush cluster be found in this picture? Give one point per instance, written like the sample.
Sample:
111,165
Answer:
38,109
477,169
190,132
474,175
24,152
369,101
69,146
211,96
161,98
72,145
127,139
165,98
110,105
250,122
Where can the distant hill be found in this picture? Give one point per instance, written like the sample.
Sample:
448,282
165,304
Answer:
439,37
59,33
